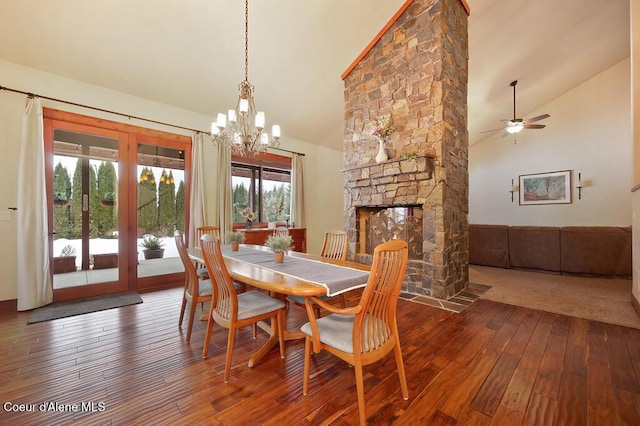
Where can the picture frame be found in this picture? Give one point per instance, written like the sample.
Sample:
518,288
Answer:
545,188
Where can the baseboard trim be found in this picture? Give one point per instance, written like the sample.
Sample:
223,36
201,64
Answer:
9,305
635,303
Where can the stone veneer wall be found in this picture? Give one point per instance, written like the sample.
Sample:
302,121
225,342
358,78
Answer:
417,72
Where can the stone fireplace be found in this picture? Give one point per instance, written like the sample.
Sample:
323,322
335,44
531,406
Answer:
417,72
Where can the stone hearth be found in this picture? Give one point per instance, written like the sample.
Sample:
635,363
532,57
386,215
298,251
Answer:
417,72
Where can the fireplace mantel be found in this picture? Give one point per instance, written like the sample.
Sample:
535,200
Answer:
428,159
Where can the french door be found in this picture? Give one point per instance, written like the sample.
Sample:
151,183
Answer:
112,189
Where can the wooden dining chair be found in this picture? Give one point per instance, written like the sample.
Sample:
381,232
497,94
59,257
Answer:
334,246
196,290
232,310
367,332
211,230
200,231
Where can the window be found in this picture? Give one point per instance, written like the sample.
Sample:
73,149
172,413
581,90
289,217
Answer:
261,184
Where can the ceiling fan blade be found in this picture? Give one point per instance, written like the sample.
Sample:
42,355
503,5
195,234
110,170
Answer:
538,118
491,131
534,126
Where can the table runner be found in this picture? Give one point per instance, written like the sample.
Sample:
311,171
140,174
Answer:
335,279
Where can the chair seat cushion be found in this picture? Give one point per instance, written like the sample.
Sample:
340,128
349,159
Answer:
254,303
204,288
335,330
202,273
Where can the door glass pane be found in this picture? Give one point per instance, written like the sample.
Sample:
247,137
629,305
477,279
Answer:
85,213
161,209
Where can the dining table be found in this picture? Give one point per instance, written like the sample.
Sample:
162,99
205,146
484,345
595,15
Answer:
301,274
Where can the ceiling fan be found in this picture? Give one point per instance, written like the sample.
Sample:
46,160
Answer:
516,125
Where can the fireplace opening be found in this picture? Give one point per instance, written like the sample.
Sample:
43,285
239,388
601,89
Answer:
377,225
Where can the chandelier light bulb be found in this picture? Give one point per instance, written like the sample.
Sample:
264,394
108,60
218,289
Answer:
264,139
244,106
222,121
260,120
275,131
231,114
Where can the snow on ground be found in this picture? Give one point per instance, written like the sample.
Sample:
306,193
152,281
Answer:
109,245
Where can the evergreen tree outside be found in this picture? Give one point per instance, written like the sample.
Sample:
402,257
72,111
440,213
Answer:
180,207
76,201
276,203
61,191
240,201
166,203
106,215
94,202
147,202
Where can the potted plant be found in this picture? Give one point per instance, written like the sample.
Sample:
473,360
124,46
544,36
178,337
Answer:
66,262
279,244
108,199
152,247
60,199
235,239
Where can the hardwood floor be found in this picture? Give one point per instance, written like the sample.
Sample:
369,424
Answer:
491,364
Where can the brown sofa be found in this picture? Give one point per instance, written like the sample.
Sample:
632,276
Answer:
535,247
597,250
582,250
489,245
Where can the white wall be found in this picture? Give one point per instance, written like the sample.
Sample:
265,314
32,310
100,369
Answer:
589,132
323,180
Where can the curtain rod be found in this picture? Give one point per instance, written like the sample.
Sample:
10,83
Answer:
129,116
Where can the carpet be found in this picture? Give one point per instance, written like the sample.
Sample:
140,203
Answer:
599,299
83,306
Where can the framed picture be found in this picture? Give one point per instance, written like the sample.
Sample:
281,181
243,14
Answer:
545,188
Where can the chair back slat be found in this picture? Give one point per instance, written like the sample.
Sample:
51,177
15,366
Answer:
191,277
224,294
202,230
335,245
376,325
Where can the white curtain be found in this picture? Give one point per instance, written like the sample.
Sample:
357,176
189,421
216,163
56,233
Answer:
225,191
196,193
34,278
297,191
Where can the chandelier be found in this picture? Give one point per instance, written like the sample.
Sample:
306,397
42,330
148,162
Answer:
242,129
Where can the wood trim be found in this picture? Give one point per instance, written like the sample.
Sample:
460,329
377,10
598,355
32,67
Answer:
384,29
10,305
635,303
264,159
86,120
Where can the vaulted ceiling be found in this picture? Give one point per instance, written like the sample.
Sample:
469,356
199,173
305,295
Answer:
190,54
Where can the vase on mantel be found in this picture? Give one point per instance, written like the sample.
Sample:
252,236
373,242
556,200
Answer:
382,155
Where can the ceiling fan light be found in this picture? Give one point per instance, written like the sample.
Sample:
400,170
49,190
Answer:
515,128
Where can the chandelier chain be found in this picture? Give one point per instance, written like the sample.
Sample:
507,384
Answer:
246,40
